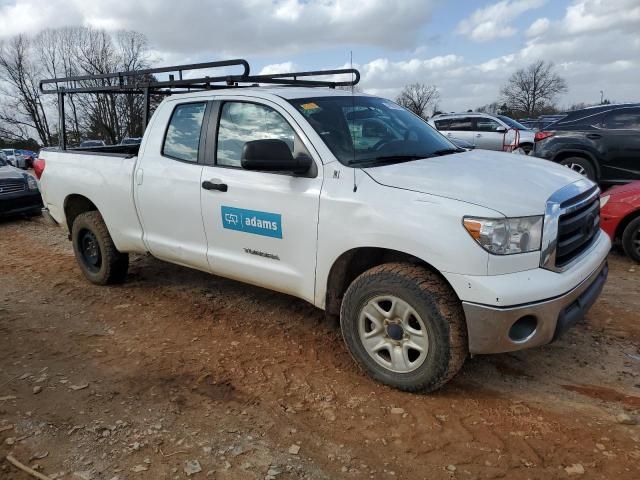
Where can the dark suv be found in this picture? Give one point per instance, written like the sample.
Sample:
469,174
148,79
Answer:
602,143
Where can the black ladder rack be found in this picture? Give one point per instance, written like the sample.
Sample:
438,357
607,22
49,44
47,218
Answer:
143,82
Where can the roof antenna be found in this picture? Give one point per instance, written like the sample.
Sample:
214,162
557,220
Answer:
353,140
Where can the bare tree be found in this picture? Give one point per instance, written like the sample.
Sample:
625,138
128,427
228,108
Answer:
418,97
23,108
533,89
76,51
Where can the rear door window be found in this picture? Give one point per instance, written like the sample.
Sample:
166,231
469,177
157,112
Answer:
183,134
627,119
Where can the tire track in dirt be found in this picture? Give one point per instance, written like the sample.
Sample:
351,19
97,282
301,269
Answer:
187,344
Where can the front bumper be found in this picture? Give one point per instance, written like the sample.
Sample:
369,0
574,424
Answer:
506,329
29,202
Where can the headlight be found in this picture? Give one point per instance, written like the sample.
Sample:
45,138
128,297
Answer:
604,200
505,236
33,184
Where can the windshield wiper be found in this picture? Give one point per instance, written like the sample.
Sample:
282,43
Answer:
448,151
388,159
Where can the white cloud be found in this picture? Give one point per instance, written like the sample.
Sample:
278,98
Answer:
595,44
539,27
492,22
234,27
278,68
596,15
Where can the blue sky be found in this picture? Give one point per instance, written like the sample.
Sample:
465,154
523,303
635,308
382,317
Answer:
467,49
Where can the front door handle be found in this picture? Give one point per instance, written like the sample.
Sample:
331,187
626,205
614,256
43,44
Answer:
209,185
478,134
594,136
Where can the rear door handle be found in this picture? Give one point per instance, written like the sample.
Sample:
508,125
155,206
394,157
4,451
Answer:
478,134
594,136
211,185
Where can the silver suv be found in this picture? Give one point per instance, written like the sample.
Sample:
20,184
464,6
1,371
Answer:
484,130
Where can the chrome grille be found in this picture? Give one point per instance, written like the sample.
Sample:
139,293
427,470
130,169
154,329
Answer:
571,224
12,187
577,229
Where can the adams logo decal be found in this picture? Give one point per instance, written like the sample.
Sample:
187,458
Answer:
252,221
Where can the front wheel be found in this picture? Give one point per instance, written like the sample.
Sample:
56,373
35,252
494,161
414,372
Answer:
631,239
405,327
95,251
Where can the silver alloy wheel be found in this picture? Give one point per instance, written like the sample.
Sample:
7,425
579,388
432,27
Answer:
576,167
393,334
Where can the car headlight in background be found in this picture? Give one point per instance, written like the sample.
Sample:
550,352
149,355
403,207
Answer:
604,200
506,236
32,183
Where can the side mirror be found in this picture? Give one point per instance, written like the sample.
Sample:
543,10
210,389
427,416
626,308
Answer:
501,129
272,156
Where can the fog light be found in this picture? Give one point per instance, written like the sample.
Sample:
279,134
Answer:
523,328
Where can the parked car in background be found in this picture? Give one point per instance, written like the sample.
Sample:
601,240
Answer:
19,193
131,141
602,143
483,130
29,156
92,143
620,216
14,158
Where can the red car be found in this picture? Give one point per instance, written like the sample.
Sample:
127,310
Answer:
620,216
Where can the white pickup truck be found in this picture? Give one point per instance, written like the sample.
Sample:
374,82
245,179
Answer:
427,252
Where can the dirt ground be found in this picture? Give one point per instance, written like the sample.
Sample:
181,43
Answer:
143,380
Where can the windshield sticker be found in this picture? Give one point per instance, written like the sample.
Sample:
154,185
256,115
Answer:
309,107
252,221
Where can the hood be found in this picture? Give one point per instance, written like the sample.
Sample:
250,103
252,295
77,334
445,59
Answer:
514,185
11,173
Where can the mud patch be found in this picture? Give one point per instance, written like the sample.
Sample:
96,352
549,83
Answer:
605,394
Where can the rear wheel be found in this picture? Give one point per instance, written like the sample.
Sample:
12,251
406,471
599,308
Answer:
95,252
526,148
631,239
405,327
581,166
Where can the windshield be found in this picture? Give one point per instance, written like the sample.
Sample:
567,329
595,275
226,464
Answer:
371,131
512,123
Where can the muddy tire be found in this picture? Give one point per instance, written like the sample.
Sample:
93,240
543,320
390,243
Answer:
582,166
631,239
95,252
405,327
